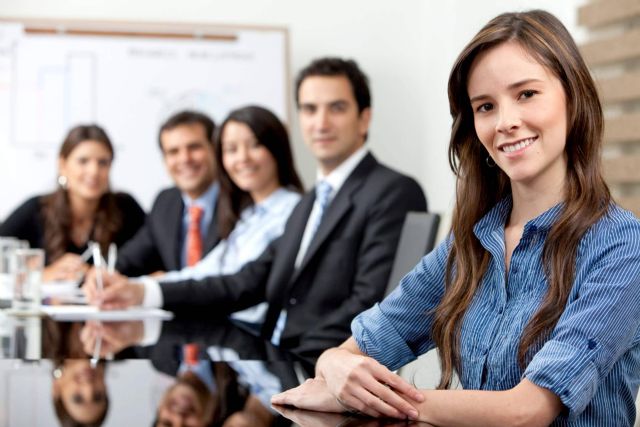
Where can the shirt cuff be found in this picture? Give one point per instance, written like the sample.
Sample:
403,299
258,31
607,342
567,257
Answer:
568,372
375,335
152,329
152,292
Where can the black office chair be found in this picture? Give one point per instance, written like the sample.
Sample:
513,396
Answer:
417,238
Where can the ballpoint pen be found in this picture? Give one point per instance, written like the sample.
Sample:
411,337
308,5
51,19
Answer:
95,358
111,258
88,253
97,263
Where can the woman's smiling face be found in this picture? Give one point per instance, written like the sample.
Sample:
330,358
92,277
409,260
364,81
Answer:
520,114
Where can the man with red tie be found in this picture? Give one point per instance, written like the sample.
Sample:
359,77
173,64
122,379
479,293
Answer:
181,225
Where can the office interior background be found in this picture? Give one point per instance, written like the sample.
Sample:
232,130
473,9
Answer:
407,48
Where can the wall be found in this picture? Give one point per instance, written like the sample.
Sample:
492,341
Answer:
406,47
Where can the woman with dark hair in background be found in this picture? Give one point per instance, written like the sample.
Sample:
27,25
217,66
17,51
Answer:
534,298
259,187
82,209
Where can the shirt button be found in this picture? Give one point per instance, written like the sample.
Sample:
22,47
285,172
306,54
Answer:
293,301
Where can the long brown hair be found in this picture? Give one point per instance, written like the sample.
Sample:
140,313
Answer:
480,187
57,208
271,133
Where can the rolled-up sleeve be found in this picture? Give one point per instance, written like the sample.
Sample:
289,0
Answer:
599,325
398,329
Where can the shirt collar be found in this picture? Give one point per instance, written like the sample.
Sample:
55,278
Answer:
206,199
339,175
498,215
272,202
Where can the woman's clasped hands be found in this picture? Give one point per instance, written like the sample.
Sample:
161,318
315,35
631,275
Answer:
348,382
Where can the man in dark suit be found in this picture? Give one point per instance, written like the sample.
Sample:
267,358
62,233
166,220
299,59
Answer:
187,149
334,259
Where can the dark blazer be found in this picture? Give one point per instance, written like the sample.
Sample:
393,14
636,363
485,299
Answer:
158,244
345,269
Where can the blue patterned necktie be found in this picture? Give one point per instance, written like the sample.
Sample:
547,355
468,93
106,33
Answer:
323,191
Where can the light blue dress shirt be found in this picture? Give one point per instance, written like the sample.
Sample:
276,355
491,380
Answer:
258,226
592,358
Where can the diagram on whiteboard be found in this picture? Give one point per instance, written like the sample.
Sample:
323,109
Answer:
129,85
48,99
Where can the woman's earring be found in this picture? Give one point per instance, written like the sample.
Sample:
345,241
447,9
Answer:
490,162
62,181
57,373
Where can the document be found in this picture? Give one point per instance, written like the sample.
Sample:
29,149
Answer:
73,313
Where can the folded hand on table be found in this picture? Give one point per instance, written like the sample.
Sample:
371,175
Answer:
360,383
313,395
68,267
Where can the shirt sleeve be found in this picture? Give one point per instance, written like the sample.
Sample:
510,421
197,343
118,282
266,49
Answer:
398,330
152,292
207,266
599,324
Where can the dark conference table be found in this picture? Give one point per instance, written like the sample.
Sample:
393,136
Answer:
50,372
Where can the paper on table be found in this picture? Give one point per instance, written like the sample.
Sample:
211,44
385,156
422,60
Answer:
60,288
72,313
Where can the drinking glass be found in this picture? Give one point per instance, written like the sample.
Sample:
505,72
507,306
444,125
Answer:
26,267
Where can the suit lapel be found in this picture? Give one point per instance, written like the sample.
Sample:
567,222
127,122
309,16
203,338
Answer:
337,209
288,251
175,212
298,222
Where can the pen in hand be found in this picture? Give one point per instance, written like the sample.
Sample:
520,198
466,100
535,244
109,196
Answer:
88,253
97,263
111,258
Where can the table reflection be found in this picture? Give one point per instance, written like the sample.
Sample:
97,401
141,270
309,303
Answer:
105,374
304,418
79,393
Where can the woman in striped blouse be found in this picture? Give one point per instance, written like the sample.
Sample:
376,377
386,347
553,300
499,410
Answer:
533,301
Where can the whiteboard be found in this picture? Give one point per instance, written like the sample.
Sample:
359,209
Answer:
128,83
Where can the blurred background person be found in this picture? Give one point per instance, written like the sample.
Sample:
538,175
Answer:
195,401
259,187
82,209
79,393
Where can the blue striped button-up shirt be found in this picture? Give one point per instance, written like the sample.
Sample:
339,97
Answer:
592,358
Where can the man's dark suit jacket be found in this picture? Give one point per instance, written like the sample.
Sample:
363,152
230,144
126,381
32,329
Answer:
157,245
345,269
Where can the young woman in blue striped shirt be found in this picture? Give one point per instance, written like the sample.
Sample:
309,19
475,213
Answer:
533,301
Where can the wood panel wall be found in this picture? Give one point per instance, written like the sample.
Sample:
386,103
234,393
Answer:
613,54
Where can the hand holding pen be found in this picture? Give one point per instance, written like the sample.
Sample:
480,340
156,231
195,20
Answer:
111,291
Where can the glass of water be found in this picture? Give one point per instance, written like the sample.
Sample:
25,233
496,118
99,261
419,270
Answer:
26,267
7,246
